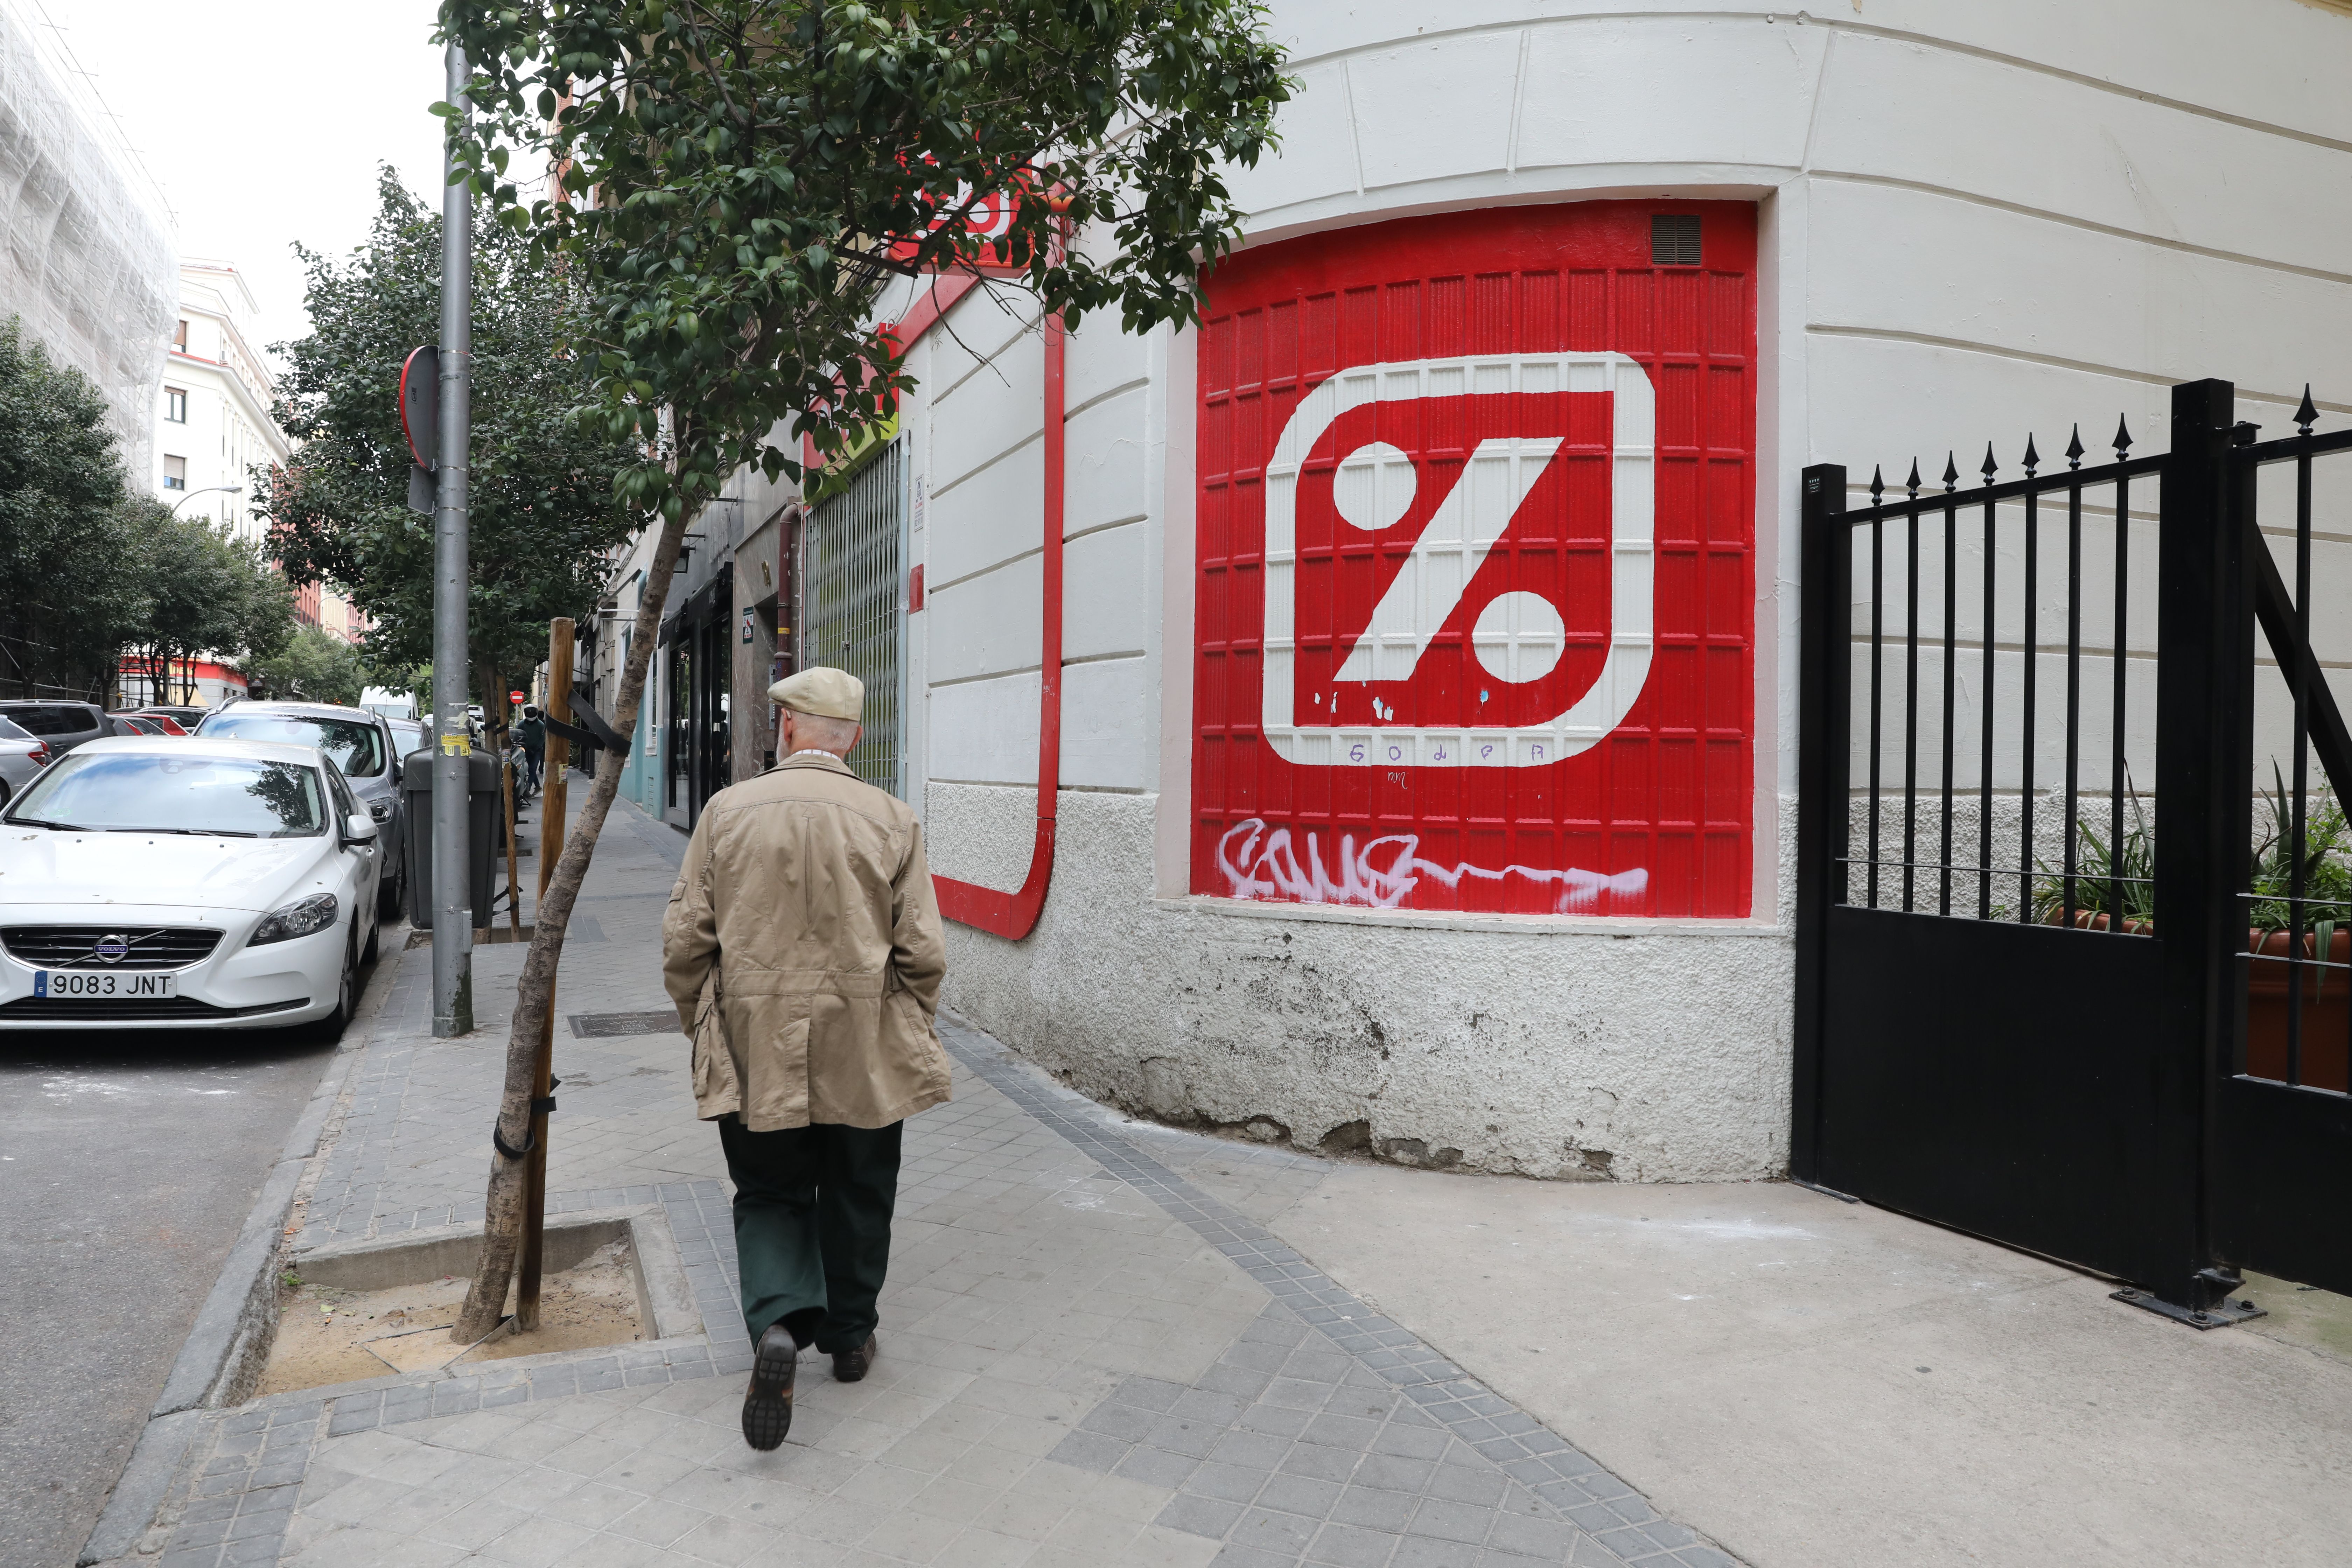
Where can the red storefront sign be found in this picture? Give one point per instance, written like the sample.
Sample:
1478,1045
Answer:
986,220
1476,606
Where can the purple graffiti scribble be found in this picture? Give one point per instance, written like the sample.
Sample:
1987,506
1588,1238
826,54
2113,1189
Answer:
1266,865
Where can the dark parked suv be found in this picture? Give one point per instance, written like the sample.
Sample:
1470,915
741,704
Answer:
64,725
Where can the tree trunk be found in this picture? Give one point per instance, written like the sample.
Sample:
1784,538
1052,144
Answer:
486,1298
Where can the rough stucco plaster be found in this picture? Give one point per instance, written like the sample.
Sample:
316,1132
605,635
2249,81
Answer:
1640,1056
981,834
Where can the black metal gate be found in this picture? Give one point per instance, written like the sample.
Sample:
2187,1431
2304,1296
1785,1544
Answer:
2031,892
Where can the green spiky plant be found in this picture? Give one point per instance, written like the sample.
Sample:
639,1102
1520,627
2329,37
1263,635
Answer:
2100,862
2327,868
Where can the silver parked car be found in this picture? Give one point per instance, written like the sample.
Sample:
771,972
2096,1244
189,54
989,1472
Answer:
360,743
22,758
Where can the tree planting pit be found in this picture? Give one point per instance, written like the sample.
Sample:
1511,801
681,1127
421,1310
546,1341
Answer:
351,1311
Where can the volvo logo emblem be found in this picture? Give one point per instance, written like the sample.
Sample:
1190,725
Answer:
111,949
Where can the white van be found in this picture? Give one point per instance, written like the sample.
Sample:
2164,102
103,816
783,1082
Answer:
391,704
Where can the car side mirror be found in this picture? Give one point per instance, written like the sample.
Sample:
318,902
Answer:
359,827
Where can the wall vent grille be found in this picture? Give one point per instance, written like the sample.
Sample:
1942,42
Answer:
1673,240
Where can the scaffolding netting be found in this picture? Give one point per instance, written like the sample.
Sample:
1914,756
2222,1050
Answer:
87,251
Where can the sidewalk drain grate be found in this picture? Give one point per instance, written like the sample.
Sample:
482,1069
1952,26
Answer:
603,1025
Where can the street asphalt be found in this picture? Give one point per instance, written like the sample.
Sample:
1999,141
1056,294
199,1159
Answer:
127,1162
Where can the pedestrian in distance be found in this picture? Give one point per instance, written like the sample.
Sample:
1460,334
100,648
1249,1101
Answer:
802,947
531,738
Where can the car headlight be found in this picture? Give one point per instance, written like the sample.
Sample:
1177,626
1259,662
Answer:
310,916
381,810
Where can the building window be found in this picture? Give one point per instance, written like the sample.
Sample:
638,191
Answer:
852,613
175,404
176,473
180,338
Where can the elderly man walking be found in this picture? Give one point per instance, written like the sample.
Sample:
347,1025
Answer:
803,948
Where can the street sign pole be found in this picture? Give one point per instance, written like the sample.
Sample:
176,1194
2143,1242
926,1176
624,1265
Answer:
453,914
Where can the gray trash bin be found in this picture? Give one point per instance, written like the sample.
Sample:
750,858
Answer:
481,839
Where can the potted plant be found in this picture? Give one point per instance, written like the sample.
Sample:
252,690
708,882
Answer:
2129,855
2327,1023
2326,1008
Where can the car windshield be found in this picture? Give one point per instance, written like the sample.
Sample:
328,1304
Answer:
356,746
241,797
10,731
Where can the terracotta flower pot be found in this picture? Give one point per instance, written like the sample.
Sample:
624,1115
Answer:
2327,1010
2326,1004
2086,920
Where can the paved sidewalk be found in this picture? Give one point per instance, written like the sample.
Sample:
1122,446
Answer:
1093,1352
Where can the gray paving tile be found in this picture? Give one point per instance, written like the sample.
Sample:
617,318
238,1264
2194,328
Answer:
1268,1530
1300,1495
1155,1467
1208,1516
1376,1510
1349,1546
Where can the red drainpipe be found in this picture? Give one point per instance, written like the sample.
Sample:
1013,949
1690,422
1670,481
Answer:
1013,915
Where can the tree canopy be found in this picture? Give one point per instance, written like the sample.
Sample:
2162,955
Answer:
93,570
544,516
739,179
314,664
207,591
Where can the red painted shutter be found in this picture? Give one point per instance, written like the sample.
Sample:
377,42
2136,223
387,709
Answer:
1511,736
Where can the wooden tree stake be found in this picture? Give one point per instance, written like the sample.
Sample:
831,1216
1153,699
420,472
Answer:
550,849
506,787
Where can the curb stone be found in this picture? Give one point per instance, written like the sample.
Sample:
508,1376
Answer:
232,1327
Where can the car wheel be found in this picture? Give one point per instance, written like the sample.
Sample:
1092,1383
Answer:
390,894
347,992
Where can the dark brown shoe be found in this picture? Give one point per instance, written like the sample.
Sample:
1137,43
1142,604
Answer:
768,1401
848,1366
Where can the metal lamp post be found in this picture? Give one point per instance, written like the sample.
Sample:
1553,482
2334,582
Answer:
453,916
208,490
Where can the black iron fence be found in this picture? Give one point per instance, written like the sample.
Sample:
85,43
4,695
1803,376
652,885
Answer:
2037,701
1997,599
2298,888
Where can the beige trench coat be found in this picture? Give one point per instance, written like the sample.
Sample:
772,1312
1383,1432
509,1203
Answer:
803,948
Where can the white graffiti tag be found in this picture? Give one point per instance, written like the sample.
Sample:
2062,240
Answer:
1266,865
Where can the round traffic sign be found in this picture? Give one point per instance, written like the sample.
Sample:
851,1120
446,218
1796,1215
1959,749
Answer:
420,403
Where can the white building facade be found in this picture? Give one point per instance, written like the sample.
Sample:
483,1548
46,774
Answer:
1425,684
212,424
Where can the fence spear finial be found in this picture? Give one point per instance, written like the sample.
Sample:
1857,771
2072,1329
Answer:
2123,437
1990,467
1877,484
1913,482
2074,448
1951,471
2032,459
2306,416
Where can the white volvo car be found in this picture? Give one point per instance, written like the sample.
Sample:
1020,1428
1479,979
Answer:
186,884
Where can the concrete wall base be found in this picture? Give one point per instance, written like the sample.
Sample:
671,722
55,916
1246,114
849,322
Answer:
1575,1054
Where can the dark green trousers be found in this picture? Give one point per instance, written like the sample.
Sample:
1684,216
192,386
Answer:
812,1208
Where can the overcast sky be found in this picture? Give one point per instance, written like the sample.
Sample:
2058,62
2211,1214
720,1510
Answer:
264,120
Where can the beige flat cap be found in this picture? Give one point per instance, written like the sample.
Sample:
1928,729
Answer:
828,693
